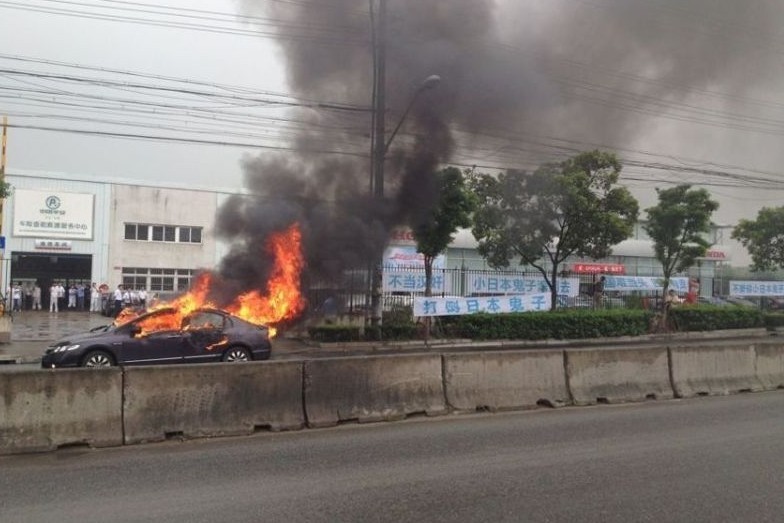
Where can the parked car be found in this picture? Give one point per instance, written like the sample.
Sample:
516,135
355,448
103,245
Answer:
160,337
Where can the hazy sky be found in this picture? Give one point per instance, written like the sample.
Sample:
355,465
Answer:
683,90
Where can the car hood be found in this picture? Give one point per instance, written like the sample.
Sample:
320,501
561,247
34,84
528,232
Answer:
76,338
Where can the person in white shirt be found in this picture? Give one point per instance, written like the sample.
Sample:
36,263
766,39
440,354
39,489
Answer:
16,297
37,297
95,298
54,295
143,298
60,295
118,300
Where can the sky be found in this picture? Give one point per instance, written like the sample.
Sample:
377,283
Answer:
225,92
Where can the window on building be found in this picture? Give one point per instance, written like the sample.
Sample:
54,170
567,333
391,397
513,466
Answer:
157,279
163,233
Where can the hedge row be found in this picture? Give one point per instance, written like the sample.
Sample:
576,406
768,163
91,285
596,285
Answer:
559,325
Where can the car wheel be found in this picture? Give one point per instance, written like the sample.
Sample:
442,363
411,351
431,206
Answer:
236,354
97,358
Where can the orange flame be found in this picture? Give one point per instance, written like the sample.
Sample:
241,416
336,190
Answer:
282,301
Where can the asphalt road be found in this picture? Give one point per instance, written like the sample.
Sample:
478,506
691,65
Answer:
703,459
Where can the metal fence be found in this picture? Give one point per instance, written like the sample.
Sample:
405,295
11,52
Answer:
402,285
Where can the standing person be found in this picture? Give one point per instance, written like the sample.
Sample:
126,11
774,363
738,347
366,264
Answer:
694,291
118,300
598,293
127,297
95,298
80,297
28,297
36,297
16,297
72,296
143,298
54,297
60,296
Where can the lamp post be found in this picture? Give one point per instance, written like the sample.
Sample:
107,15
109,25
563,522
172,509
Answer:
381,145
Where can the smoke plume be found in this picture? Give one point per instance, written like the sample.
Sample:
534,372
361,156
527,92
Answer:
515,73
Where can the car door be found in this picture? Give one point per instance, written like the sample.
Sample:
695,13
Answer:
156,348
204,338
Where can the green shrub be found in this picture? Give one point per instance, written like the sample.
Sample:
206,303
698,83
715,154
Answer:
708,318
552,325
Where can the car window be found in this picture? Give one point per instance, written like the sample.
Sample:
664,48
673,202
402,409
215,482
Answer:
165,321
203,320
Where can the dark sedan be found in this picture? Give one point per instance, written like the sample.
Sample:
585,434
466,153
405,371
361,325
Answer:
163,336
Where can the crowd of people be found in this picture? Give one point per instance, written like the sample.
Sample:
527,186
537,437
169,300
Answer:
75,297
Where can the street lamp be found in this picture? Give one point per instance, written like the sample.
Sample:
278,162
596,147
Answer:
381,145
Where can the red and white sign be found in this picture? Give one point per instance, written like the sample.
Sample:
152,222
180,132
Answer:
402,236
597,268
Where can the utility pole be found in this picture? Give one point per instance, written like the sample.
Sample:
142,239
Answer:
2,167
379,150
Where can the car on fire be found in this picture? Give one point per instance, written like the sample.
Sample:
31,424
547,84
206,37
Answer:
163,336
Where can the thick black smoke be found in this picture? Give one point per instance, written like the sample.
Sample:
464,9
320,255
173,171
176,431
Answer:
514,72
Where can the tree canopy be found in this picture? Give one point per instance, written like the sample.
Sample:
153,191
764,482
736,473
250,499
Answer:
764,238
677,225
571,208
451,210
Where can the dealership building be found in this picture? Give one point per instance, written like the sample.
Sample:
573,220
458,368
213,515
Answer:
79,230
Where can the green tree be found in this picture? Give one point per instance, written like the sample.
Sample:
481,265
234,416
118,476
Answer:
764,238
677,225
571,208
6,190
435,229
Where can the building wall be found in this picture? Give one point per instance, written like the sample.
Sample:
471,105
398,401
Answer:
115,205
161,206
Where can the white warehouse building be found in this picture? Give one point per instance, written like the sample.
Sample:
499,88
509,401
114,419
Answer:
79,230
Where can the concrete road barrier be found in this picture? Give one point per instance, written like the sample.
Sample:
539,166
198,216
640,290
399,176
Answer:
618,375
769,364
372,388
211,400
504,380
42,410
714,370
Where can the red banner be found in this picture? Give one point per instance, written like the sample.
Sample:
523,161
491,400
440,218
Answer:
597,268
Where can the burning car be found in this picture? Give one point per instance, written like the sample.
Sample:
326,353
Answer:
161,336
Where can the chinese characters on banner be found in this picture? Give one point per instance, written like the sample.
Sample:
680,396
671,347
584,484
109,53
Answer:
512,284
756,288
644,283
492,304
414,281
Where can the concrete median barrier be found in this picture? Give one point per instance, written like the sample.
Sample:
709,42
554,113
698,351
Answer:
211,400
42,410
714,370
618,375
372,388
769,364
504,380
